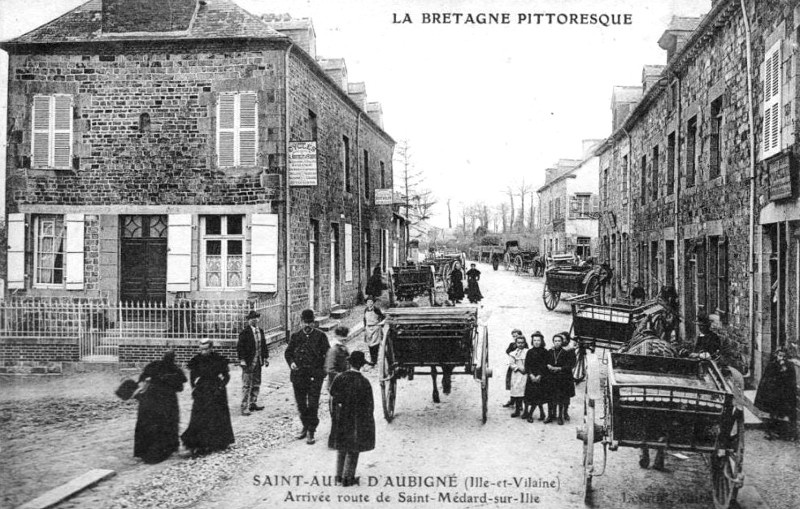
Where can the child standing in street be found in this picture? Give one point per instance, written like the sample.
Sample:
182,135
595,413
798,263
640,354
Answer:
373,329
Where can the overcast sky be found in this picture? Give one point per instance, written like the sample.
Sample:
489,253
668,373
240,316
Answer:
482,106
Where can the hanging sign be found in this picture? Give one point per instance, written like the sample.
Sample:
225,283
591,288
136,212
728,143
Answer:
384,197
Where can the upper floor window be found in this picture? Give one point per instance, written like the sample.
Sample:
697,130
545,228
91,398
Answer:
581,206
715,159
383,176
772,100
237,129
691,149
52,131
346,162
222,252
670,163
366,175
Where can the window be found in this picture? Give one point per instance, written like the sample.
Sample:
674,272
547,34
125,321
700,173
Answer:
717,294
383,176
558,211
643,179
715,155
654,279
625,176
52,131
654,174
366,175
222,256
605,188
346,162
624,257
669,246
670,164
691,146
584,247
312,124
49,251
772,101
237,129
673,95
580,206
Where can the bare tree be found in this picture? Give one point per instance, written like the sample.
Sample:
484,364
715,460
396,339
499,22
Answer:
523,190
502,212
510,193
449,215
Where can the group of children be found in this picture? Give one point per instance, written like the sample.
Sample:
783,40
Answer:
538,375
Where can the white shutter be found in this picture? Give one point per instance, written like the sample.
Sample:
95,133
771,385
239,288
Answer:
74,263
264,253
16,251
348,252
248,129
62,131
179,253
226,130
385,253
40,149
772,101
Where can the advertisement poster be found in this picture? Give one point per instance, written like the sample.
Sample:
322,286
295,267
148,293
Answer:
555,162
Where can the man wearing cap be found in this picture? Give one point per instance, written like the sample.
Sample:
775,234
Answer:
305,356
252,352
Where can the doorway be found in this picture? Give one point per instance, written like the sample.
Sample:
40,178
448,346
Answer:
143,260
334,264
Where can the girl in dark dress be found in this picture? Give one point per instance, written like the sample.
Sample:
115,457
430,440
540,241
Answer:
210,425
777,394
473,290
352,421
536,370
559,380
456,291
156,435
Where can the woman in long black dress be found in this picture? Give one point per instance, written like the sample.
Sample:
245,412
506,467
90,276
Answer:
536,371
776,393
456,291
156,435
473,290
559,380
210,425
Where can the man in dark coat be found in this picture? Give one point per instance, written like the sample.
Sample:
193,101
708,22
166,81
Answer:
776,394
253,353
210,425
156,435
352,420
305,355
375,284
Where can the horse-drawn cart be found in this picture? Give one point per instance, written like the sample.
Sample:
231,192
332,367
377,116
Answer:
568,277
407,283
446,337
665,403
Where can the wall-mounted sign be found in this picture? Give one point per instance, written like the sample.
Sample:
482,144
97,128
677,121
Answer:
302,163
781,174
384,197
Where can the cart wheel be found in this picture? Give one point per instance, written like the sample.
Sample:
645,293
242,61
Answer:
726,467
550,297
387,378
486,372
593,288
518,263
579,371
588,449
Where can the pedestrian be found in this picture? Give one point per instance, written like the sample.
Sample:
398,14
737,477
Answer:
473,290
375,284
336,358
559,381
253,353
667,322
776,394
156,435
305,354
637,296
455,292
708,344
210,424
510,348
536,371
352,420
516,362
373,329
570,345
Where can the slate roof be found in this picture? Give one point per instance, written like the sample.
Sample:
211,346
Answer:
214,19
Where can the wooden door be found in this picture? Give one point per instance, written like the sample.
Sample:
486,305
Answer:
143,263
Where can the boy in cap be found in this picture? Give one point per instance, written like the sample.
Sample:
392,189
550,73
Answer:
252,352
336,358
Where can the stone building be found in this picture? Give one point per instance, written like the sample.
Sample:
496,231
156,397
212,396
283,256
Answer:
172,165
568,206
698,193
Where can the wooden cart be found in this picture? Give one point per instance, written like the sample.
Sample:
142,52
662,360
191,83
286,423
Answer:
407,283
665,403
446,337
569,278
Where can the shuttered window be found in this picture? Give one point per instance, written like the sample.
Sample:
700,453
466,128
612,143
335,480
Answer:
772,101
237,129
348,252
49,250
221,252
52,131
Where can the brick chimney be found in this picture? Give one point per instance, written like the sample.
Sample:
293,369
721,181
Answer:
358,93
300,31
677,33
375,112
623,101
336,69
650,76
120,16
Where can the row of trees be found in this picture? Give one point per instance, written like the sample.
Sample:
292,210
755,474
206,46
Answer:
516,215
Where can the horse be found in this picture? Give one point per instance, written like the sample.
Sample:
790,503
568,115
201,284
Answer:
447,372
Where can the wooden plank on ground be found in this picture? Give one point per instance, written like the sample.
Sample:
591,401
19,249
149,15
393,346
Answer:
69,489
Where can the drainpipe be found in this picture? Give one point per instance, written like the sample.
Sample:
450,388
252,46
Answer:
287,239
630,206
751,254
360,218
676,191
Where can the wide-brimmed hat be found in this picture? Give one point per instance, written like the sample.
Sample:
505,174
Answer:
307,316
253,314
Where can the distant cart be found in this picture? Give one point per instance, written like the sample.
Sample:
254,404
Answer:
407,283
446,337
563,275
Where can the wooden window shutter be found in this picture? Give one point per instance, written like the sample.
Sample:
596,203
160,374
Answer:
179,253
772,101
264,253
16,251
348,252
226,127
74,253
722,254
700,275
248,129
62,132
40,149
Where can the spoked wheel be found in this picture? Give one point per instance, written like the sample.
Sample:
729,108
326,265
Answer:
550,297
588,449
518,263
593,288
579,371
726,467
387,377
486,372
